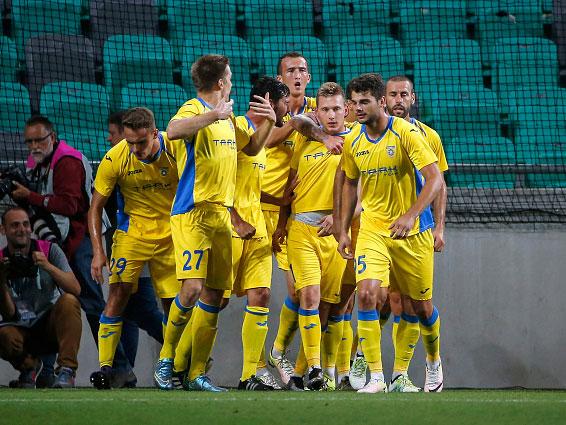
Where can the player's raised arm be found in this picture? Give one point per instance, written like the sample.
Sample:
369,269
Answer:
185,128
307,127
261,108
99,259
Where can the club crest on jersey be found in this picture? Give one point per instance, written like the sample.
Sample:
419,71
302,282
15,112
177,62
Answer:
390,151
164,171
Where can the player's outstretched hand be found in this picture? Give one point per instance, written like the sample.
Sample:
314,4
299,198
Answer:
345,247
325,226
278,238
334,144
224,109
289,194
99,261
402,226
438,235
262,107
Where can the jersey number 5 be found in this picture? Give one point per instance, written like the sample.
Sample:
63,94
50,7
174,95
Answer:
361,264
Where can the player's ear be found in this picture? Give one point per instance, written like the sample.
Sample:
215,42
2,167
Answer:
413,98
279,78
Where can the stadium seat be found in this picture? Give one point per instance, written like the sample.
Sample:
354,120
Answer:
191,19
8,60
357,55
514,55
111,17
15,107
460,111
480,150
341,19
162,98
241,95
235,48
266,18
313,49
135,58
524,102
58,57
34,17
444,61
12,149
418,18
79,112
542,145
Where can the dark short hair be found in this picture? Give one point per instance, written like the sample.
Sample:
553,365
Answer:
330,89
400,79
207,70
40,119
276,89
289,55
116,118
136,118
15,208
372,83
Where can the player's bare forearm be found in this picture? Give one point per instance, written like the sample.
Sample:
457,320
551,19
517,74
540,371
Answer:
95,221
430,190
279,135
439,205
349,201
64,280
270,199
337,192
307,127
186,128
257,141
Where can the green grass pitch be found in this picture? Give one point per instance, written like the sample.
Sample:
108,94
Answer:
148,406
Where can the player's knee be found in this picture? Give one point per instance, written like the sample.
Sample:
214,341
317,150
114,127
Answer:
423,308
259,297
68,303
366,298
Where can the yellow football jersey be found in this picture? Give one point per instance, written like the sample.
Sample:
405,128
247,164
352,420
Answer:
279,158
248,180
206,162
316,168
389,170
145,189
433,140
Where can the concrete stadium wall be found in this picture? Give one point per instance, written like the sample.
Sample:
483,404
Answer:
500,295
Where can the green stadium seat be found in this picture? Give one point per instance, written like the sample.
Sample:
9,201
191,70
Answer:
460,111
266,18
235,48
442,19
34,17
341,19
523,103
8,60
135,58
356,55
542,145
15,106
524,61
241,95
312,48
444,61
480,150
162,98
191,19
79,112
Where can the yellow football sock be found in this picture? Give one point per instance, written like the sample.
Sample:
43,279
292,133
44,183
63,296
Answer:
309,323
179,315
345,348
301,363
261,364
430,330
396,320
164,324
405,340
204,328
331,341
370,338
108,338
184,348
254,331
288,324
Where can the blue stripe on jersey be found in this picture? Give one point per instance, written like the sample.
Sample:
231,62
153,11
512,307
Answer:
375,141
123,219
250,123
158,153
185,200
301,110
206,105
426,221
356,139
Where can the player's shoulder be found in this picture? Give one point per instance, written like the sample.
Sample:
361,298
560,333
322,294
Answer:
310,104
118,152
354,131
426,130
243,122
190,108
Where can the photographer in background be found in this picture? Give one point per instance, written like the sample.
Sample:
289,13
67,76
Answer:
61,177
40,313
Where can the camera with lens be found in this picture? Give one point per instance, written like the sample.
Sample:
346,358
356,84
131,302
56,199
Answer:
10,175
21,266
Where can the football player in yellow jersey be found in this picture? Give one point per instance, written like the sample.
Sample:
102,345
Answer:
292,70
400,178
200,218
143,169
313,258
399,97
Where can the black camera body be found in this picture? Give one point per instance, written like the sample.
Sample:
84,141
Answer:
10,175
